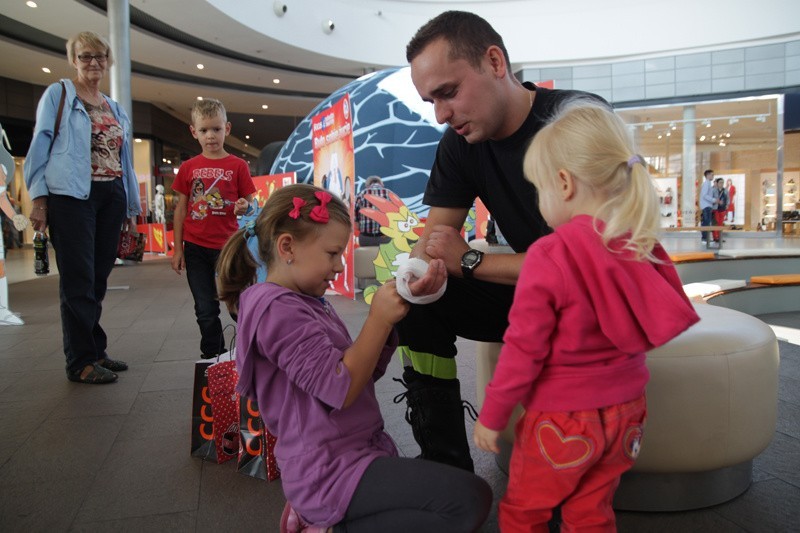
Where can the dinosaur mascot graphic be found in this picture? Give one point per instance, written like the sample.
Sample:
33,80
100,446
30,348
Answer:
403,227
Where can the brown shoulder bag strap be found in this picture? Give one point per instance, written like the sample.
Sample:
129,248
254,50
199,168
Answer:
58,116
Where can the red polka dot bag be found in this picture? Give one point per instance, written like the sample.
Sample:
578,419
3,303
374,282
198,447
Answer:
222,379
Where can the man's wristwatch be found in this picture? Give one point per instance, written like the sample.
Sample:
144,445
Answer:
470,261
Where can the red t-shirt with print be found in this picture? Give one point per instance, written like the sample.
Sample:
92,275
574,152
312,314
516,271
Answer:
212,187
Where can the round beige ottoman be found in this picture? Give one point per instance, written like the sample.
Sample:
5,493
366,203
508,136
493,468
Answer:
712,407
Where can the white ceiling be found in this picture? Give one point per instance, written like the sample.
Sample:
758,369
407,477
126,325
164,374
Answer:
368,34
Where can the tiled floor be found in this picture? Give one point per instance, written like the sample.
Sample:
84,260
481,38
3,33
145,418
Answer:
116,457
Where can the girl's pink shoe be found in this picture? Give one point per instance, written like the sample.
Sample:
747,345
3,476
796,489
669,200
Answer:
290,520
292,523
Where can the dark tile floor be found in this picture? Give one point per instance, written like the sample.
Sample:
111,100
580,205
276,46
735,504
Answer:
116,457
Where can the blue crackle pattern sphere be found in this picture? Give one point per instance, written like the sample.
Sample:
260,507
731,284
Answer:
394,135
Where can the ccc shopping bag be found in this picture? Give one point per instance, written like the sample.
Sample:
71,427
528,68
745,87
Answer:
202,417
222,378
256,444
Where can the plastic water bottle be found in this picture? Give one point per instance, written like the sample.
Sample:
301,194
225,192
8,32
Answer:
41,259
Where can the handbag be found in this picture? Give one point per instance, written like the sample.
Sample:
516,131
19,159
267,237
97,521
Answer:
202,418
222,379
256,444
131,246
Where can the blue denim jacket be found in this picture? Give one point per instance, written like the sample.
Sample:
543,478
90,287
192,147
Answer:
67,169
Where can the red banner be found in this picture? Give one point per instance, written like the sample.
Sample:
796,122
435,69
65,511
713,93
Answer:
268,183
334,170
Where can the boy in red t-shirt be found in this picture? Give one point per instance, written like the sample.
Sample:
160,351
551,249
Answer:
213,188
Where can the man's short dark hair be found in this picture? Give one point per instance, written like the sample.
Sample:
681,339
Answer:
707,172
468,34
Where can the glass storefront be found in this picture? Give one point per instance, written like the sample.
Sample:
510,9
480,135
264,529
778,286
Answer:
741,140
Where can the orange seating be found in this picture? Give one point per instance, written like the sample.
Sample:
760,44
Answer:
777,279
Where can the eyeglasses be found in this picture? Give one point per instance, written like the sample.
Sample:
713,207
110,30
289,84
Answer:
87,58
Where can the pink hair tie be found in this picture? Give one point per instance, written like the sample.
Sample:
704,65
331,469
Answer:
320,212
298,203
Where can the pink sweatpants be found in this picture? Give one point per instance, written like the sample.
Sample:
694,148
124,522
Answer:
573,459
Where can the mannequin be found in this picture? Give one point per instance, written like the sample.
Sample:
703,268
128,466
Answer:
7,318
159,205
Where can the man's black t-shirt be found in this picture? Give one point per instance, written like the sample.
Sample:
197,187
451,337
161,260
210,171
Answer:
492,171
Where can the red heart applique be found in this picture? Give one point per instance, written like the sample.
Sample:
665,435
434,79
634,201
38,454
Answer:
560,451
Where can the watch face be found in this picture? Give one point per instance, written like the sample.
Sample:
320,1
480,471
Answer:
470,258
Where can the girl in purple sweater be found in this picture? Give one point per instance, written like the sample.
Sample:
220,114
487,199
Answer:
591,299
315,385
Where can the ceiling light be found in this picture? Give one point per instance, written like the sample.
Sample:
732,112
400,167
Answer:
46,70
660,136
669,134
672,126
722,143
706,123
727,135
733,120
200,66
199,97
264,106
275,80
713,137
327,26
138,140
279,8
251,120
702,138
31,3
246,136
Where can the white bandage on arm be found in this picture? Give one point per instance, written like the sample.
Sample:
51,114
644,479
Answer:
415,268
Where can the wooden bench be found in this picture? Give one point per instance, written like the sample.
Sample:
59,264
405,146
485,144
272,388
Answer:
720,229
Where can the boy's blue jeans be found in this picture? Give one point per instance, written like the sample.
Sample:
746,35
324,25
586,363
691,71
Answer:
200,273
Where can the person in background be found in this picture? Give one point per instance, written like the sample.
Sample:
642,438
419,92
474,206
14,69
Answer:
84,188
707,203
213,188
731,200
720,206
315,385
369,231
460,64
592,298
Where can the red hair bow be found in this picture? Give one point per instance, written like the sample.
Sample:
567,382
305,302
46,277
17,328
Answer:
298,203
320,212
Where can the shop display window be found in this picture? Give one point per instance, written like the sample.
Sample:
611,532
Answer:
737,139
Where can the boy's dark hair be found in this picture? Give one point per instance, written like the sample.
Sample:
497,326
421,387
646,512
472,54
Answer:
707,172
468,34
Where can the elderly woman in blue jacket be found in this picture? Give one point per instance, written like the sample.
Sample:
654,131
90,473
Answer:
81,178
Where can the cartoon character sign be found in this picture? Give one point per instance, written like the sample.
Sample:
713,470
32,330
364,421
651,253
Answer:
402,226
20,223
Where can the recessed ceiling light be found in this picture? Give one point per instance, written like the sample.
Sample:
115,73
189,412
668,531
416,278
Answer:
264,106
246,136
31,3
46,70
199,97
137,140
251,120
200,66
702,137
276,80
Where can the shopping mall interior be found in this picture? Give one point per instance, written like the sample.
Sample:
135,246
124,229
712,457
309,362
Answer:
698,86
